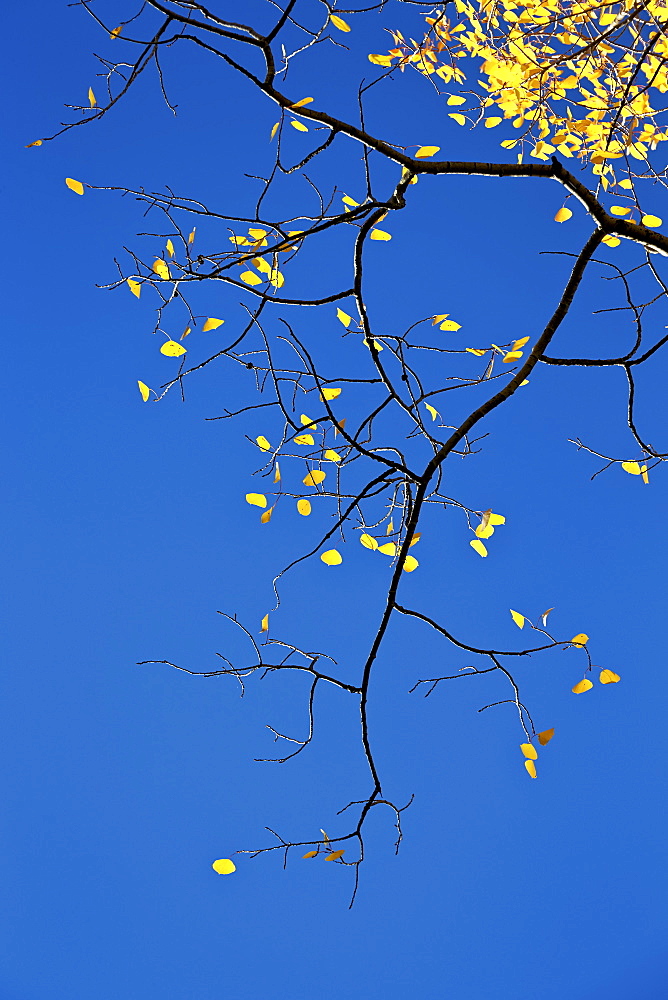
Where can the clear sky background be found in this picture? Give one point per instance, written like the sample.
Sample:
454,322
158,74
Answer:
126,530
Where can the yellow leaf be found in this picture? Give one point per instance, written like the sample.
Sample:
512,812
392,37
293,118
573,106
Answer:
134,286
262,443
632,467
347,200
434,413
608,677
380,60
545,737
520,343
380,234
116,32
458,118
37,142
368,541
343,317
425,151
265,621
304,439
478,351
75,186
517,618
496,519
307,422
492,122
455,100
300,104
581,639
619,210
310,854
531,768
224,866
250,278
330,393
339,23
582,686
304,507
410,563
651,221
186,333
276,278
144,390
415,539
484,530
390,527
525,382
265,518
376,344
335,855
389,549
331,557
160,268
450,326
91,97
256,499
212,324
512,356
191,236
299,125
645,476
332,456
172,349
563,215
314,477
529,751
274,130
478,546
277,473
611,241
169,247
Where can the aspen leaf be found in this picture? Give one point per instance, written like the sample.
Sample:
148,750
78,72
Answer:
330,393
410,563
92,100
517,618
310,854
332,456
631,467
415,539
144,390
265,518
531,768
458,118
325,838
582,686
450,326
160,268
224,866
307,422
380,234
250,278
212,324
496,518
172,349
608,677
611,241
529,751
379,60
525,382
512,356
262,443
274,130
343,317
520,343
390,528
563,215
478,547
116,32
331,557
651,221
186,333
277,473
485,529
304,507
276,278
433,412
545,737
376,344
389,549
339,23
492,122
544,616
256,499
299,125
619,210
439,319
347,200
368,541
645,476
627,184
75,186
581,639
134,286
37,142
191,237
314,477
478,351
425,151
454,100
169,247
265,621
304,101
304,439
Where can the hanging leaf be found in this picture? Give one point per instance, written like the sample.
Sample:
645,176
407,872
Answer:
274,130
410,563
415,539
134,286
212,324
116,32
563,215
304,507
37,142
517,618
343,317
376,344
389,549
335,855
265,518
301,104
631,467
582,686
492,122
310,854
256,499
496,518
277,474
478,351
611,241
529,751
433,412
368,541
347,200
304,439
262,443
172,349
645,476
250,278
458,118
651,221
331,557
160,268
332,456
512,356
545,737
191,236
454,100
608,677
380,234
619,210
224,866
531,768
75,186
307,422
581,639
144,390
265,621
520,343
330,393
478,546
544,616
299,125
425,151
339,23
450,326
314,477
92,100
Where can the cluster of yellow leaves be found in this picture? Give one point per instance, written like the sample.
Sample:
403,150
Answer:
530,752
485,529
573,77
392,548
605,677
635,469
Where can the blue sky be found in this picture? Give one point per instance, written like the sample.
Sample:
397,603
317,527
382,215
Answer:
127,530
